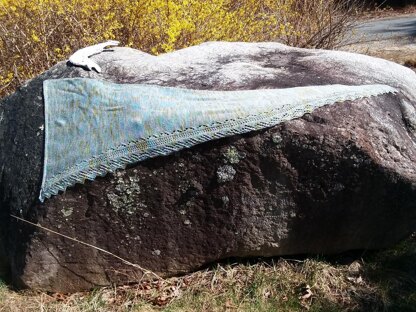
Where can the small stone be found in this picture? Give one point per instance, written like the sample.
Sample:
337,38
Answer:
355,267
225,174
187,222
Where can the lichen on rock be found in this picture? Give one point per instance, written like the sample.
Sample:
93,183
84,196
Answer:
125,197
232,156
67,211
277,139
225,174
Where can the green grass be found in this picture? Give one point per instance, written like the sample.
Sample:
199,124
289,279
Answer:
375,281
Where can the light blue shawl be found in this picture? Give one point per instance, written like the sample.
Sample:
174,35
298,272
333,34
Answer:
93,127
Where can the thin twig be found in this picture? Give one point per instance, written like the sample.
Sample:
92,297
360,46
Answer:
145,271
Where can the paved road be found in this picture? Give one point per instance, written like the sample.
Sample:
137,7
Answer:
384,29
391,38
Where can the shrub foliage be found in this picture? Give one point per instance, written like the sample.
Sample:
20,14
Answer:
35,34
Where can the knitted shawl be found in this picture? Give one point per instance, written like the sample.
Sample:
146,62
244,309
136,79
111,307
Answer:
93,127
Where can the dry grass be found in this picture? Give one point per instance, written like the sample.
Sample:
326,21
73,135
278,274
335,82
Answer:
398,50
376,281
281,285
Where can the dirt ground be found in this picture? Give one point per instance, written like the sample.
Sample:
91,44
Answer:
388,12
400,50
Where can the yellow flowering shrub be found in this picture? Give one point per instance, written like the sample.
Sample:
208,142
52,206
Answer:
35,34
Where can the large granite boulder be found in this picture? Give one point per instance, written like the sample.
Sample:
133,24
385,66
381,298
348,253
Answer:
338,179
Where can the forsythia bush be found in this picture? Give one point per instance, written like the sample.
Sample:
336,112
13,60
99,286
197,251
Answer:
35,34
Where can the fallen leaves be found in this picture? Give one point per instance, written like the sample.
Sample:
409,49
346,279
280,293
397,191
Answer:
305,296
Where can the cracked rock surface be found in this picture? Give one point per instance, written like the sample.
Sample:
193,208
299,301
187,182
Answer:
338,179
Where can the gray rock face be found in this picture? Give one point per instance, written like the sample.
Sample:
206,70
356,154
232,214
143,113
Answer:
338,179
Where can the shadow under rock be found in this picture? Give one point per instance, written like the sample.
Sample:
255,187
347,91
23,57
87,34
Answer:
394,272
